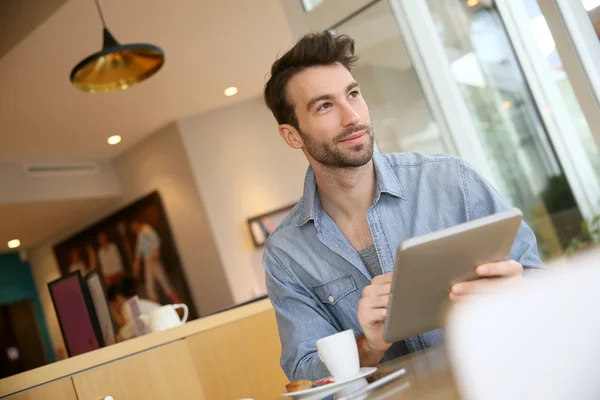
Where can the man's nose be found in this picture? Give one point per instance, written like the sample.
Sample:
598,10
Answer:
349,115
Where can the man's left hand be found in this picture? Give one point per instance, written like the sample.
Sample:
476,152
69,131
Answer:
491,276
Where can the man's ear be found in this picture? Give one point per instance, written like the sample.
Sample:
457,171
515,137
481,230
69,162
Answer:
291,136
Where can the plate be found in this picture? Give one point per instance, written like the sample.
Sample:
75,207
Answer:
325,390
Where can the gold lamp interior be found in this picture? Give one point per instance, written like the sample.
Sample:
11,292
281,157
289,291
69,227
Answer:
116,66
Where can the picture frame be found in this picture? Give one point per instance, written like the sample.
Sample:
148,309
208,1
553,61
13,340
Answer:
110,245
75,313
97,292
261,226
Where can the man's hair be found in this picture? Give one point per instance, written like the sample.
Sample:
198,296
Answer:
315,49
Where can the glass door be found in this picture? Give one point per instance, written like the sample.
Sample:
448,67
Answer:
479,80
554,62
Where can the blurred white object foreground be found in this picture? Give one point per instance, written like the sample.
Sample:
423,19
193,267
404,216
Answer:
538,341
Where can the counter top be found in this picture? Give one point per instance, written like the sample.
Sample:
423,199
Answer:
73,365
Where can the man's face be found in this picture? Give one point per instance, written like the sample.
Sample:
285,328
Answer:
333,118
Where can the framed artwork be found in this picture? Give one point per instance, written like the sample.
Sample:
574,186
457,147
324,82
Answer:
133,244
263,225
76,315
97,292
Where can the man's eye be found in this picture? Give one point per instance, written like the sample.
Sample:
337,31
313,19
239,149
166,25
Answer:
324,106
354,94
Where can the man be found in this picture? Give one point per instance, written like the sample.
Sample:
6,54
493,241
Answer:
329,264
148,248
111,263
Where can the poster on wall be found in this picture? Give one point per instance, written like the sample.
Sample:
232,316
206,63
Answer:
134,253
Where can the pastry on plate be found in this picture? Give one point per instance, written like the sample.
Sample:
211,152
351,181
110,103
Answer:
296,386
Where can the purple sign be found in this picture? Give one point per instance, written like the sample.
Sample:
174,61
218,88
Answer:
73,314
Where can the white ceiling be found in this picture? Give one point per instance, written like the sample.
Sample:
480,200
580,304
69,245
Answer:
32,222
209,45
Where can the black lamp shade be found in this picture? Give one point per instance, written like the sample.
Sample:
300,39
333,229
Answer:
116,66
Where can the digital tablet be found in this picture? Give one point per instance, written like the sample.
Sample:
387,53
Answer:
426,266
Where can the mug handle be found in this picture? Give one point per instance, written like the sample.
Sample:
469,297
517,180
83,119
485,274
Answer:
185,311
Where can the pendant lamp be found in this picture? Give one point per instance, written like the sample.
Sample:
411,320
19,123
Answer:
116,66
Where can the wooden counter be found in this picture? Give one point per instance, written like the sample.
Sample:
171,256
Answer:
233,354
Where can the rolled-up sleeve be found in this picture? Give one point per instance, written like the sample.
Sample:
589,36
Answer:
483,199
300,320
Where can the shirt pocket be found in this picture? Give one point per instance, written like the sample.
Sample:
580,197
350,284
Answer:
334,290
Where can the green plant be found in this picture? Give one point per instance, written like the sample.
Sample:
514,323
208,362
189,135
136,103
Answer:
589,236
557,195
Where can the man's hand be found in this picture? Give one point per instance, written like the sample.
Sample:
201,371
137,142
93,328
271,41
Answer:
493,275
372,310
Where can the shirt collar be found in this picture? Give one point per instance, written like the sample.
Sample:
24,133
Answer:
310,205
387,181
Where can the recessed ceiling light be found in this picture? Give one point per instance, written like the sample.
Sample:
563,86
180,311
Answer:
114,139
230,91
472,3
13,244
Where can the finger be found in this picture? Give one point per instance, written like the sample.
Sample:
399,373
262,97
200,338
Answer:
377,290
504,268
471,287
372,317
381,279
481,285
456,297
377,315
376,302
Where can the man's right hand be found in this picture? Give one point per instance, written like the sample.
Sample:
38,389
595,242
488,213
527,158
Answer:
372,310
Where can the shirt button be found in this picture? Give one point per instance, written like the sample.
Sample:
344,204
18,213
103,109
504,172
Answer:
331,299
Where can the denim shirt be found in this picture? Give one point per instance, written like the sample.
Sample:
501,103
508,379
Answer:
314,276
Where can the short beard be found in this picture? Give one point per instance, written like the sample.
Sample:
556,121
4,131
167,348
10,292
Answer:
329,155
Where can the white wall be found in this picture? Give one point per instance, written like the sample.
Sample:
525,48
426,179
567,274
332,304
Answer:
161,163
157,163
242,169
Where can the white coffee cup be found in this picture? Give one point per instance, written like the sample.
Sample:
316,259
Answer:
339,353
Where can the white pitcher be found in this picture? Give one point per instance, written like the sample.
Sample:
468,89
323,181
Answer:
165,317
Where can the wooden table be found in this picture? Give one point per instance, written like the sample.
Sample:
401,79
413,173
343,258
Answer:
230,355
428,376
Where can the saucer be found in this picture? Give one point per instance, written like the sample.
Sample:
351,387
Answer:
320,392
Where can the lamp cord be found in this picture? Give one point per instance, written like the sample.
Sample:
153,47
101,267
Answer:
101,15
